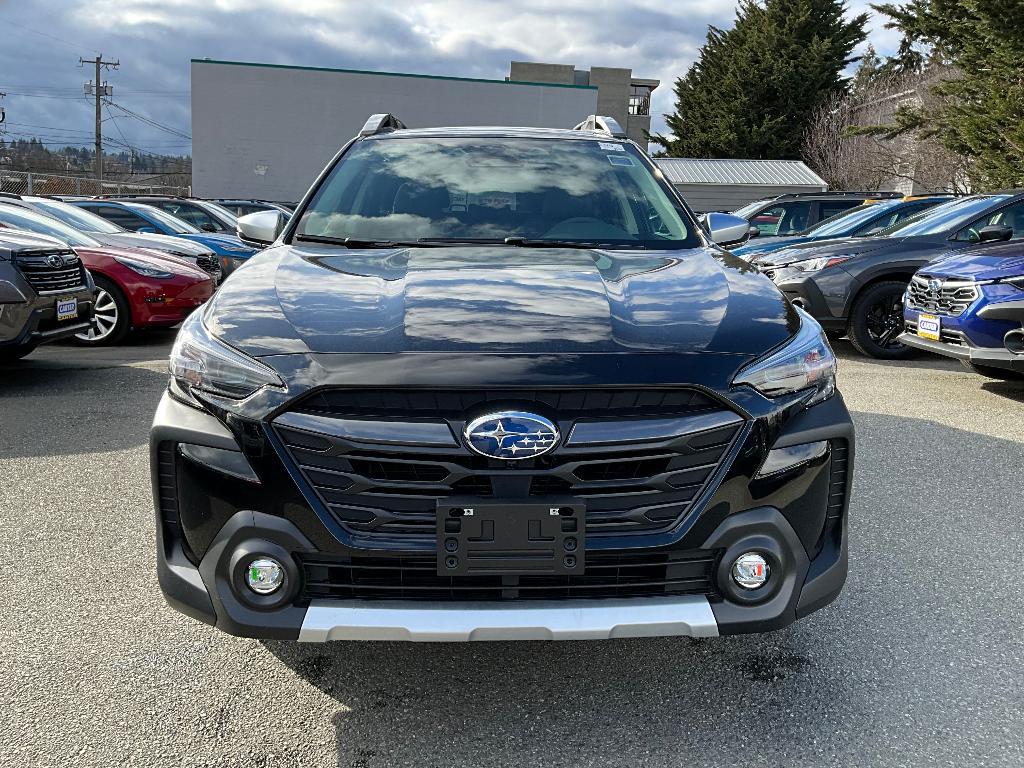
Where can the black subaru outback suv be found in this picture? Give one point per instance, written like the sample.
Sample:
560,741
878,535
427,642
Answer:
498,383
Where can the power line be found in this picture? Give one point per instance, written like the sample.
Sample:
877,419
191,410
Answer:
75,46
151,122
100,90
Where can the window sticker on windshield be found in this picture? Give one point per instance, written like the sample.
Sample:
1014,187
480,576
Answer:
611,147
620,160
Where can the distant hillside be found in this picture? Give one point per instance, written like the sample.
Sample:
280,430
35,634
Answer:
34,155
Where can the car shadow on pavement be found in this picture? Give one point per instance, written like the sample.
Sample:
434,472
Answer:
1011,390
51,409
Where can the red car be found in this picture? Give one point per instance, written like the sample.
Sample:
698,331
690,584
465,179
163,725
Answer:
137,288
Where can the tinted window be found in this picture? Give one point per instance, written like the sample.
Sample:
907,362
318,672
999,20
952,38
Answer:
193,214
15,217
79,218
166,220
849,220
1011,216
487,189
901,213
829,208
946,217
783,219
122,217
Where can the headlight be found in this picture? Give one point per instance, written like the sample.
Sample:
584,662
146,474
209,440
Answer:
818,264
201,362
805,363
143,268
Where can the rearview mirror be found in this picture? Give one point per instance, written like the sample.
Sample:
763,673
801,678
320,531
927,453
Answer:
995,232
208,228
727,229
260,229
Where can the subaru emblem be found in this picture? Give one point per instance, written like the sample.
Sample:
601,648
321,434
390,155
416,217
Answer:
511,435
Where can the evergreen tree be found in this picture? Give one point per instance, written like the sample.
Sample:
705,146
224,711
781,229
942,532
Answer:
979,111
754,87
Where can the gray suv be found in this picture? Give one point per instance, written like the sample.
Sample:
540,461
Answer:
46,293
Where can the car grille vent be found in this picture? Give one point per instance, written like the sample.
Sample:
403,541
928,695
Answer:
607,574
454,404
388,488
51,270
950,297
838,479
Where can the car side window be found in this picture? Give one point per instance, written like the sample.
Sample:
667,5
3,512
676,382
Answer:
193,214
1011,216
783,219
829,208
130,221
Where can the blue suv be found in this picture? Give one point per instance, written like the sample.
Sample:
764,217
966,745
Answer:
140,217
970,306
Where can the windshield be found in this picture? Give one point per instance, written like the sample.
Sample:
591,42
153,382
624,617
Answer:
944,218
750,209
850,219
79,218
21,218
225,215
173,223
488,189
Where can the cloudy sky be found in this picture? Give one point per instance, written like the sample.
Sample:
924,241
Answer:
154,40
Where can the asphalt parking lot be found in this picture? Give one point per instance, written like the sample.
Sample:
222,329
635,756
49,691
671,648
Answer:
921,660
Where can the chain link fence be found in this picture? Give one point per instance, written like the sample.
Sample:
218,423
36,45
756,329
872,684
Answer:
26,183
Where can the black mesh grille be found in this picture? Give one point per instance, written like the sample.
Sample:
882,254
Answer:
607,574
388,488
51,270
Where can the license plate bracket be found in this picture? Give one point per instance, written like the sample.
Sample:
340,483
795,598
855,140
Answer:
67,309
929,327
510,539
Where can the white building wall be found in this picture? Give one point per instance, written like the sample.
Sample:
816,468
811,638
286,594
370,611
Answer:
264,131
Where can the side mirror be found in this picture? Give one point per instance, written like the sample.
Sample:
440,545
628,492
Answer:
995,232
260,229
753,231
727,229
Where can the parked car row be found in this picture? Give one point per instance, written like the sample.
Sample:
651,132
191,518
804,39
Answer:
938,276
96,268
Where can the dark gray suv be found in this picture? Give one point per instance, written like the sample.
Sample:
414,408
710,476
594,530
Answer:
45,293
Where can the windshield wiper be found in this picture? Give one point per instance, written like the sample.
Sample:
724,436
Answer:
524,242
355,242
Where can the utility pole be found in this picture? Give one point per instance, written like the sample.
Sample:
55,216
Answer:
99,90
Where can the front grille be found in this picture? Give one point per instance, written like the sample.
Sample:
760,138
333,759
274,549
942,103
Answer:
209,264
950,297
44,276
387,488
607,574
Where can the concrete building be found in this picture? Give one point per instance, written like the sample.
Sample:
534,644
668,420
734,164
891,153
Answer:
619,94
725,185
266,131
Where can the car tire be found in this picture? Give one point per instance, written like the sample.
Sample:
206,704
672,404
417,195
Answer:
993,373
877,319
112,317
10,354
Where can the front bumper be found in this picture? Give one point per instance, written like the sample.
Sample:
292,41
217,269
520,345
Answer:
800,522
34,321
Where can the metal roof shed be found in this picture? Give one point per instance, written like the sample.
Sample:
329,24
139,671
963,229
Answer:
725,185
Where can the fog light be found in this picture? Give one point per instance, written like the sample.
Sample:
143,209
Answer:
750,570
264,575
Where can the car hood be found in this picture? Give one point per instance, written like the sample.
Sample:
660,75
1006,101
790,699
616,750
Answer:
157,242
156,259
981,263
815,248
293,299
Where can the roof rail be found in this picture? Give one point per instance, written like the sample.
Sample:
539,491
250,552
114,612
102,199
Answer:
381,123
602,124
